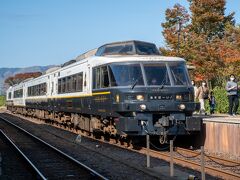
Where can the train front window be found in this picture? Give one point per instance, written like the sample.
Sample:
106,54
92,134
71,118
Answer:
146,49
179,73
118,49
156,74
125,74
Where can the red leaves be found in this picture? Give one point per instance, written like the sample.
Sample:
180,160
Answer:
21,77
210,42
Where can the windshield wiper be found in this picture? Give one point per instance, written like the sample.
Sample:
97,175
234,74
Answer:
134,83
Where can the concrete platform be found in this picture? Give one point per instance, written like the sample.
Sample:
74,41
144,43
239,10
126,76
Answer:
221,134
222,118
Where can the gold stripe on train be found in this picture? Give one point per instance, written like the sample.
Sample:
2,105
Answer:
67,97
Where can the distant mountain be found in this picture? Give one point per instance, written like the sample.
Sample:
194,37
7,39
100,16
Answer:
6,72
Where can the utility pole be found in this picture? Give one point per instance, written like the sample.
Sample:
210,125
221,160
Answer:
179,31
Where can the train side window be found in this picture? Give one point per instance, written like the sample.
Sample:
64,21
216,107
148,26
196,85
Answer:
98,78
104,77
38,90
43,89
18,93
59,86
74,83
21,93
34,90
40,87
68,84
28,91
63,85
52,87
85,80
94,78
31,91
9,95
80,82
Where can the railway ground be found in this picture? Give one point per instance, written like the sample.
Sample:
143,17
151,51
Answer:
11,165
112,161
44,160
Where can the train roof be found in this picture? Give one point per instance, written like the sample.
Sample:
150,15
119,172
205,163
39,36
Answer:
100,60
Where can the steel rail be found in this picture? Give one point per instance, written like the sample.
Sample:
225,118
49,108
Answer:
57,150
23,155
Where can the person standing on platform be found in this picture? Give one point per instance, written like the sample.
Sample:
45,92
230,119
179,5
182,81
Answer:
232,92
212,102
202,95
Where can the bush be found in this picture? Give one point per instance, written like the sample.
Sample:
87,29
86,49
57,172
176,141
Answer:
2,101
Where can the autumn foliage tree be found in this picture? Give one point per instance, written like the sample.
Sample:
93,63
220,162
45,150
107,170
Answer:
211,41
177,20
21,77
230,50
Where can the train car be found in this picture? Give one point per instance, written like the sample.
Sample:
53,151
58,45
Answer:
15,97
120,89
9,97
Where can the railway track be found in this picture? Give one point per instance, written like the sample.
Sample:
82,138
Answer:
47,161
9,158
183,157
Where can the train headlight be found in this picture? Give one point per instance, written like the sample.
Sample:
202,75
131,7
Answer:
140,97
182,106
143,107
117,98
178,97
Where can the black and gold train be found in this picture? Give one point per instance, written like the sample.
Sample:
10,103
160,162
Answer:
120,89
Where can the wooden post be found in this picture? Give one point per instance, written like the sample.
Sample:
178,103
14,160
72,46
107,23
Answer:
171,159
148,151
202,163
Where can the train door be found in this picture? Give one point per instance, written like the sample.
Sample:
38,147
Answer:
51,91
51,85
100,91
86,81
86,87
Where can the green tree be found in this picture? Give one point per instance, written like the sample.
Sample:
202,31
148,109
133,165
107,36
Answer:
174,29
208,18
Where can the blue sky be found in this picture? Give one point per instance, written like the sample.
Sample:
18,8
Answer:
54,31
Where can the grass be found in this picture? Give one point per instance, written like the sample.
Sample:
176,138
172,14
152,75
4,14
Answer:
2,101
